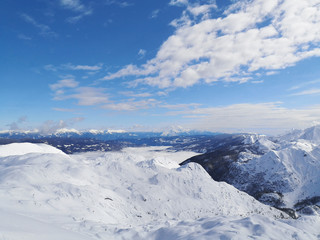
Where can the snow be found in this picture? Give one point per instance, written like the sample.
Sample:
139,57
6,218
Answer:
94,131
174,131
311,134
253,227
15,226
289,167
25,148
12,132
251,138
160,154
138,193
116,131
67,130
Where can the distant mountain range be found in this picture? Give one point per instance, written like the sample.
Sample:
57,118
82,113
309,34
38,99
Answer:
71,140
283,171
100,134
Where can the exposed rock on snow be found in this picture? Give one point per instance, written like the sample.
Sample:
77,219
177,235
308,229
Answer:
280,172
133,194
96,193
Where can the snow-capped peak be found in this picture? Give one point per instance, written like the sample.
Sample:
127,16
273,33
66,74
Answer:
15,149
312,134
94,131
10,132
67,130
173,131
116,131
251,138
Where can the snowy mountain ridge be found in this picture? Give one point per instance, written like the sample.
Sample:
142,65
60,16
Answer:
169,131
98,194
143,193
311,134
70,132
282,171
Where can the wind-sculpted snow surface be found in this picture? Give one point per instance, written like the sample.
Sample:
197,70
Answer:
133,194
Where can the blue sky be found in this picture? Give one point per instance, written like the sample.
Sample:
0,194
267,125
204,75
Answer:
225,66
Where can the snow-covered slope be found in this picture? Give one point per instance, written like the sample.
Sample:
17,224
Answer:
24,148
253,227
292,170
282,172
112,195
19,227
138,193
311,134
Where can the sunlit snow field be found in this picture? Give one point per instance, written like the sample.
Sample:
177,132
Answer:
137,193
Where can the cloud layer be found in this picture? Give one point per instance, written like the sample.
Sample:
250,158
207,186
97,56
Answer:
268,118
251,37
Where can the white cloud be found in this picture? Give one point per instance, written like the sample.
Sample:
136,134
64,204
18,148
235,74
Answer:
271,73
194,10
131,105
65,83
87,96
252,36
204,9
76,6
155,13
69,88
161,93
304,84
178,2
24,37
16,124
51,126
77,18
256,82
133,94
45,30
180,106
122,4
63,110
261,117
127,71
83,67
142,53
314,91
50,67
69,66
